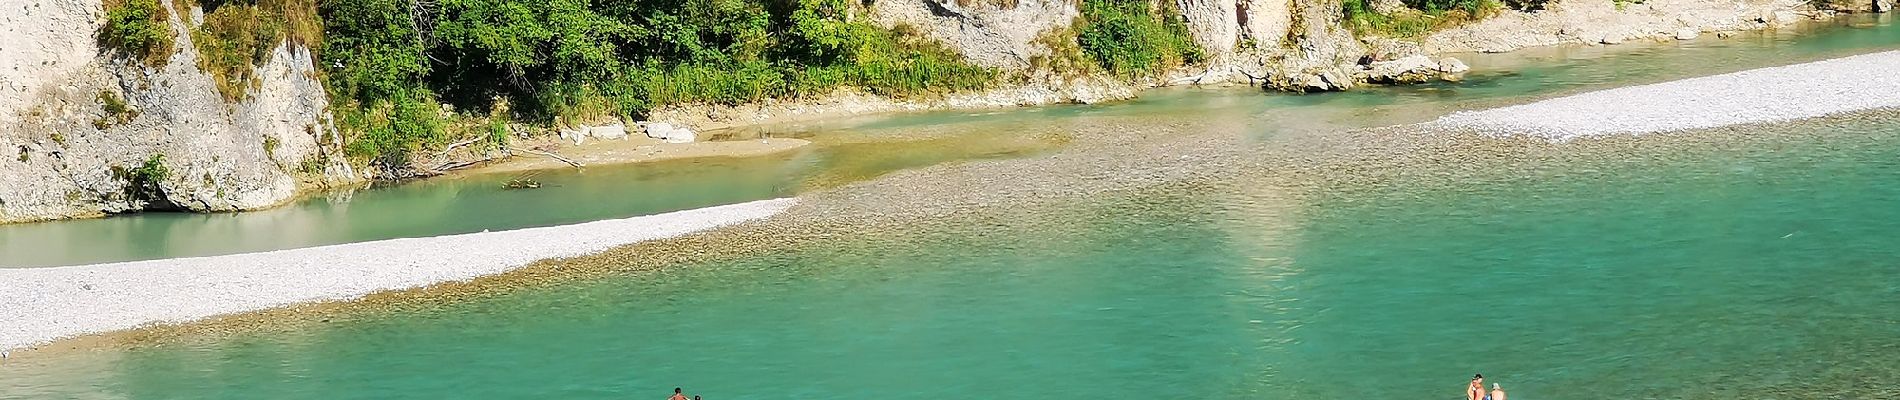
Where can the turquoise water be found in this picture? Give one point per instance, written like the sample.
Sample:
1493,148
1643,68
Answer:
1725,272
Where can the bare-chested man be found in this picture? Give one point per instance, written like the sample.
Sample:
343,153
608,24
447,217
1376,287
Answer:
1497,392
677,395
1475,390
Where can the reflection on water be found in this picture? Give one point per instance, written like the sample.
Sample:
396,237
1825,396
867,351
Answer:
473,203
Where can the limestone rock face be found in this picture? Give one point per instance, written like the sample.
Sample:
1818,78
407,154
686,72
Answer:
1322,54
1264,23
990,33
1214,24
1606,22
66,155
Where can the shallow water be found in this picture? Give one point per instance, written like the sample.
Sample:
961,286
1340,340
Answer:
847,150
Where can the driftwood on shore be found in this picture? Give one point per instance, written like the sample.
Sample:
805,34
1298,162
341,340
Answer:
576,164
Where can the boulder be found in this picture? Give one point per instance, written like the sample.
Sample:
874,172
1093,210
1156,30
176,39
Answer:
617,131
1410,69
669,133
578,136
1451,65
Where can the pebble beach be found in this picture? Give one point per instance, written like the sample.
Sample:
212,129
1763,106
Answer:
46,304
1762,95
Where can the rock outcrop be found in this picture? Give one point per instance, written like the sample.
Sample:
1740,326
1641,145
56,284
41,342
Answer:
1604,22
87,131
990,33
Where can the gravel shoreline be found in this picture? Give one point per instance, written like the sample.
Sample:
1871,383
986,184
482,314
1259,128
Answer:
41,305
1774,94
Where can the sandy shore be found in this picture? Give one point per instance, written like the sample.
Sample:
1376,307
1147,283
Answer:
1774,94
44,304
642,149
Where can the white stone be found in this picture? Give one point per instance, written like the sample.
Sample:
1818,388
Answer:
669,133
1687,34
578,136
1452,65
657,130
681,135
617,131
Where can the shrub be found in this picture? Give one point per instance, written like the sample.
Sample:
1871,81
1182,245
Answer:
232,39
1420,17
117,111
1125,38
140,28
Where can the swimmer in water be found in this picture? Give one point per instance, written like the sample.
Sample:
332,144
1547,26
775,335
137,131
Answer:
1475,390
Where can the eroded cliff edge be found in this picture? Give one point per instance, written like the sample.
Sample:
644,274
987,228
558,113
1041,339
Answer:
89,131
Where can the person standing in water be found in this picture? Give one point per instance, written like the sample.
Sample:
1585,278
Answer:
1475,390
1497,392
677,395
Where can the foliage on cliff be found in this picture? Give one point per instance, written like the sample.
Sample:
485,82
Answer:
237,35
1133,38
140,28
1420,17
574,59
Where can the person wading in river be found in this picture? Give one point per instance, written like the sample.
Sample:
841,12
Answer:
1497,392
1475,390
677,395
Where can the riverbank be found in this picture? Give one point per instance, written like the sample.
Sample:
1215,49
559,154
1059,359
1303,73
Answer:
633,150
45,304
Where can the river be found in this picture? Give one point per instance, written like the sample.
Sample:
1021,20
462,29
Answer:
1764,270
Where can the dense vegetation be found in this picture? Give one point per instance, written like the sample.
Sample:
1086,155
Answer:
139,28
405,75
559,60
1420,17
1129,39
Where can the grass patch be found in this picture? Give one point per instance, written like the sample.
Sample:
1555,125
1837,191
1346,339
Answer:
140,28
116,111
238,35
1421,17
1128,39
1064,53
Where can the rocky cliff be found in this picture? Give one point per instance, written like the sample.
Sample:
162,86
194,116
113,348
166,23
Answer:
88,131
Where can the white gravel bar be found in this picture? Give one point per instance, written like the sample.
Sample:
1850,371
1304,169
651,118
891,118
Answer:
1815,89
38,305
